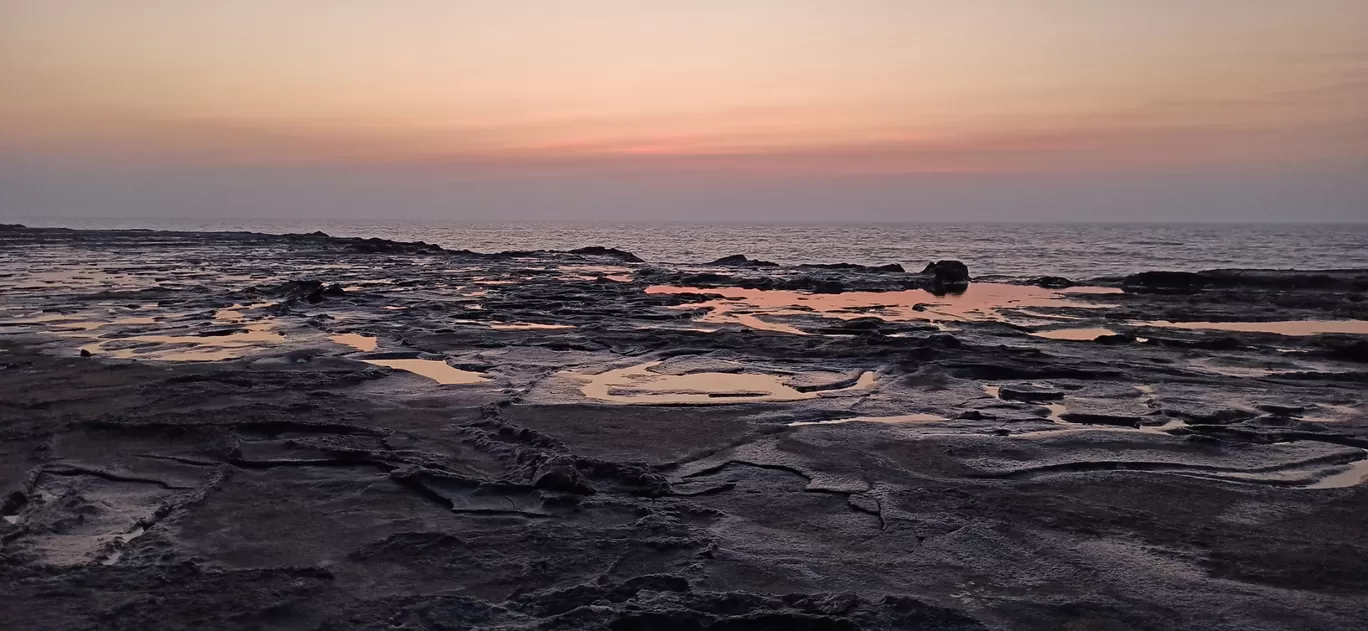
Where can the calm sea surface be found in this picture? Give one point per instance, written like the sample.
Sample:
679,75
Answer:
1073,250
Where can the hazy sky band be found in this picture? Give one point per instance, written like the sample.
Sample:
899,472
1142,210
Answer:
970,83
730,89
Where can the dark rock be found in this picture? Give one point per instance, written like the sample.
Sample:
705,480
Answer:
376,245
1200,412
862,324
1285,409
294,288
560,474
1181,282
1355,351
1189,282
86,353
889,268
598,250
1114,340
221,332
334,290
1218,343
13,502
1101,419
1024,393
828,287
1052,282
943,340
740,260
948,276
706,279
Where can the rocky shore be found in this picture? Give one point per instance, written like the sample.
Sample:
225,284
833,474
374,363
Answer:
250,431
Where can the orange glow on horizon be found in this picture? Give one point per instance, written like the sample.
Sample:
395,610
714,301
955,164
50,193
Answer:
743,87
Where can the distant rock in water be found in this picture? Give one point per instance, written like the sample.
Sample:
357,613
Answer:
891,267
375,245
598,250
948,276
1189,282
740,260
1052,282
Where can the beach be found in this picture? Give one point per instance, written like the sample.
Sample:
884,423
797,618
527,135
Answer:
253,431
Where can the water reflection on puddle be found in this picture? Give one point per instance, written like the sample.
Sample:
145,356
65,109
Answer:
105,335
1058,408
1288,327
434,369
639,384
189,347
1354,474
980,302
233,313
357,341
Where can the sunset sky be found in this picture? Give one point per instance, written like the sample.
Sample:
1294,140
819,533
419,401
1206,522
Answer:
894,110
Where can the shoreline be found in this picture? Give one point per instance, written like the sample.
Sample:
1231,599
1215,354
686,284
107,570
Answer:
1149,247
253,439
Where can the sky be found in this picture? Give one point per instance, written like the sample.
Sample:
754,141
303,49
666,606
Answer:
683,110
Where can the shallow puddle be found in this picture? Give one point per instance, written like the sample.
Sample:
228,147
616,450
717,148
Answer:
1287,327
433,369
233,313
1353,475
1057,409
188,347
357,341
981,302
1093,290
638,384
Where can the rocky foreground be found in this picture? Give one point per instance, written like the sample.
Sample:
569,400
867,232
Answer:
245,431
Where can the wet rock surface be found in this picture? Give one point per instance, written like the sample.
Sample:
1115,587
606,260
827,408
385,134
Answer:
188,440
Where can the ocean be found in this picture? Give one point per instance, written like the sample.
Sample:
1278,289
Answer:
1075,250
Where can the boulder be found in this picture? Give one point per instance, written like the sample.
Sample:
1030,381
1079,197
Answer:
1117,339
598,250
1052,282
889,268
948,276
560,474
740,260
